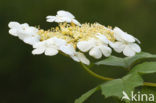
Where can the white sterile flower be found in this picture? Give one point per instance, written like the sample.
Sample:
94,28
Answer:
63,16
14,26
128,49
46,46
126,43
50,46
99,50
123,36
25,32
85,46
68,49
96,47
80,57
58,42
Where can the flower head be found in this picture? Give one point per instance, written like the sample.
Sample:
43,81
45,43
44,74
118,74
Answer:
75,40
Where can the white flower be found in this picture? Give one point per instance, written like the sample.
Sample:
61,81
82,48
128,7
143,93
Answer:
63,16
50,47
14,26
100,50
126,43
80,57
96,47
85,46
128,49
25,32
76,56
68,49
71,52
123,36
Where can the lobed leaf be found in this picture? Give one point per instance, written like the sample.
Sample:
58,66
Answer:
117,86
145,68
125,62
112,61
142,55
128,82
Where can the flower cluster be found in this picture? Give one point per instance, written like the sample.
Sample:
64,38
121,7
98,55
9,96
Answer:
75,39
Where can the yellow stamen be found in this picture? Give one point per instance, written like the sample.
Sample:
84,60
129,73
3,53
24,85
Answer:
72,33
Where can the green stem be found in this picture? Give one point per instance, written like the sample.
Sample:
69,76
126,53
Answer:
149,84
94,74
108,79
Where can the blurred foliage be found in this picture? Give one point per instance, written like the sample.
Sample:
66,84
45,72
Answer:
25,78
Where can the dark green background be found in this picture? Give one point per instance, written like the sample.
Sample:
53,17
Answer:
25,78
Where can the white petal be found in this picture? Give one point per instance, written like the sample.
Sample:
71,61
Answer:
13,32
75,58
137,40
59,19
95,52
76,22
24,25
39,44
84,46
65,14
31,40
117,46
51,52
38,51
128,51
128,38
67,49
105,50
58,42
13,24
120,35
66,19
135,47
83,58
32,31
103,38
51,18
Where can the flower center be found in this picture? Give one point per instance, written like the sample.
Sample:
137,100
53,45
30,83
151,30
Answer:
72,33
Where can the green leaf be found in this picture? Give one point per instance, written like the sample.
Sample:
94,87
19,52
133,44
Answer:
117,86
142,55
145,68
113,61
128,82
86,95
125,62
